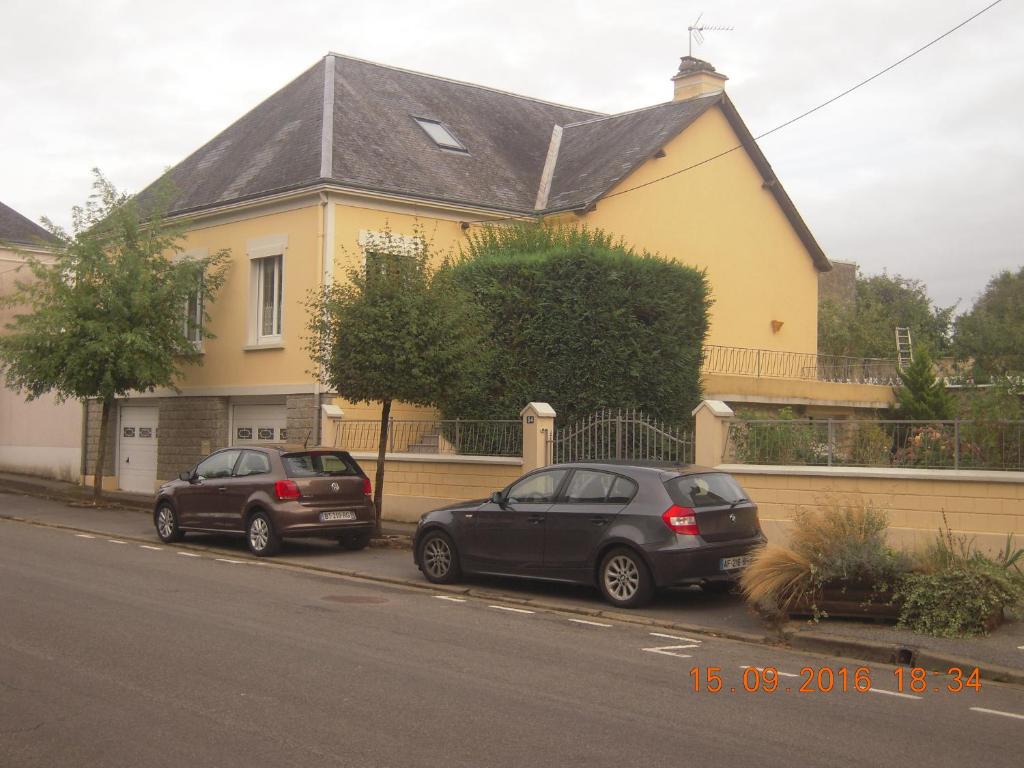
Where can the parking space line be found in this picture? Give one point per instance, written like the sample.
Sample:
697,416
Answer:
511,610
85,536
761,669
894,693
450,599
116,541
589,623
147,546
669,650
674,637
997,712
189,554
225,560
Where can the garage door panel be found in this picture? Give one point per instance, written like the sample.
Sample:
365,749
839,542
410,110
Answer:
259,424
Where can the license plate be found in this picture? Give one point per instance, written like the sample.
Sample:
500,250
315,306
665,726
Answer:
326,517
732,563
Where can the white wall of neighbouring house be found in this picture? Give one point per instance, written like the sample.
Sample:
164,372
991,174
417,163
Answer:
40,437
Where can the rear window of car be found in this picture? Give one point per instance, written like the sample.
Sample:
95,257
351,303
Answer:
319,464
713,489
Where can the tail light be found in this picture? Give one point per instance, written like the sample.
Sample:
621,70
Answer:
287,490
681,520
367,488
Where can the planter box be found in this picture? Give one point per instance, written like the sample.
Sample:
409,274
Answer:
852,601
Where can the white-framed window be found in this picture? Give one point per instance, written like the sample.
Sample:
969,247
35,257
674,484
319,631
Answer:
266,290
269,293
194,314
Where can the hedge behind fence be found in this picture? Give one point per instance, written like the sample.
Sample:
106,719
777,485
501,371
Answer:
582,323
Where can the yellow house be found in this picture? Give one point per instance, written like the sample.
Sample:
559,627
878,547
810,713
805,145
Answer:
349,149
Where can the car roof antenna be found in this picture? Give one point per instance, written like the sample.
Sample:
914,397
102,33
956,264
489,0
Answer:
305,443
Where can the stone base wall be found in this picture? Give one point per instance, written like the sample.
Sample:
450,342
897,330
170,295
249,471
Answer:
303,419
190,428
94,418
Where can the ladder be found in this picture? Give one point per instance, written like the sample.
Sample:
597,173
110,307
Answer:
904,349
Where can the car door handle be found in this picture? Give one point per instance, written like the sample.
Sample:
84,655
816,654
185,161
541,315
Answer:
599,520
535,519
223,489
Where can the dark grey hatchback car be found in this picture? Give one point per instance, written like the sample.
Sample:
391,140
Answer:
628,529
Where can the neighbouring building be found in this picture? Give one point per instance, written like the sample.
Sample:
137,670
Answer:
301,184
38,437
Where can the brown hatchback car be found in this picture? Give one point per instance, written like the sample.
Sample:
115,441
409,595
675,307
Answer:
267,494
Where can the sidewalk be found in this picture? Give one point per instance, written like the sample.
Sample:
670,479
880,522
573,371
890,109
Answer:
685,610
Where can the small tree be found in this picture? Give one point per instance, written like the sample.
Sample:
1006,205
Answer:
992,332
108,314
394,331
923,397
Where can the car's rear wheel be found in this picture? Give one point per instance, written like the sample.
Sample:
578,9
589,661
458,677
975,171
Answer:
260,535
167,524
624,579
439,560
355,541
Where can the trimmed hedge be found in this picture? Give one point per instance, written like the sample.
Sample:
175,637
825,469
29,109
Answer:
581,322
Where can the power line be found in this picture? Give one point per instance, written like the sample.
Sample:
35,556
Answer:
780,126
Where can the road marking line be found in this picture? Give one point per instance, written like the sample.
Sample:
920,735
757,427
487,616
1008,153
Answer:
189,554
673,637
761,669
894,693
1019,647
589,623
997,712
147,546
225,560
667,650
450,599
85,536
116,541
506,608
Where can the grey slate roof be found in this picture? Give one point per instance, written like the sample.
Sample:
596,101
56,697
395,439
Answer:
373,142
596,154
15,228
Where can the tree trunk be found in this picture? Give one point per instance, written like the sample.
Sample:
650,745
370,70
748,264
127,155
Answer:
382,448
97,488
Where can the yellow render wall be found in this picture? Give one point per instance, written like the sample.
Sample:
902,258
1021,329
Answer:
226,361
915,507
719,217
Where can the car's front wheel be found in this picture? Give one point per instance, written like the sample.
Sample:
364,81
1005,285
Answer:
261,537
167,524
624,579
439,560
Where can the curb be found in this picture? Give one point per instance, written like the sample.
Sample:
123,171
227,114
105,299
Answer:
900,655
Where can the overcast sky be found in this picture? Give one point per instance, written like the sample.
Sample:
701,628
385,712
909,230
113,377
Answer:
920,173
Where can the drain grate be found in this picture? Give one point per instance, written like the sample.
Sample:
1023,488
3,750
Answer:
355,599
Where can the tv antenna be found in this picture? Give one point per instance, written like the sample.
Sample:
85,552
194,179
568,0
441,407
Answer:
697,31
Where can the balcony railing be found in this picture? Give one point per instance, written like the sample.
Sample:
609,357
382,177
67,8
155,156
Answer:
772,364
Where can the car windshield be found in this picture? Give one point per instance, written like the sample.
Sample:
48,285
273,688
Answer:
709,490
318,464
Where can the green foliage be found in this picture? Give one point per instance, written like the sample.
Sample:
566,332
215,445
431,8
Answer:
923,397
869,444
394,330
883,303
958,591
106,315
783,439
581,322
992,332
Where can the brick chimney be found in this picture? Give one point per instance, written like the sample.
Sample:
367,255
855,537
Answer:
696,78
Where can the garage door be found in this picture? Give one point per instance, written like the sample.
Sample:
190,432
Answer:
259,424
136,448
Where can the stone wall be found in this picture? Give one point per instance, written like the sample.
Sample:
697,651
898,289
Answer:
94,415
190,428
839,285
303,419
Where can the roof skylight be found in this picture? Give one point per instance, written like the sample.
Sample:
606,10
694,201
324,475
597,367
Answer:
440,134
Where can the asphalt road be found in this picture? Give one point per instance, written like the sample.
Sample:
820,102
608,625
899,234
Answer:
121,654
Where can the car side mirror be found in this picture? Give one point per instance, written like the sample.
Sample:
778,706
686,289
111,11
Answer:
186,476
498,498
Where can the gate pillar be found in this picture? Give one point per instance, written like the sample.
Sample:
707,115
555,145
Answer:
538,428
711,432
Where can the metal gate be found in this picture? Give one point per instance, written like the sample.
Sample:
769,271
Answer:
622,434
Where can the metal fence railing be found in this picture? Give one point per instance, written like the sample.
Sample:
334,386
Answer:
772,364
622,434
957,444
438,436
